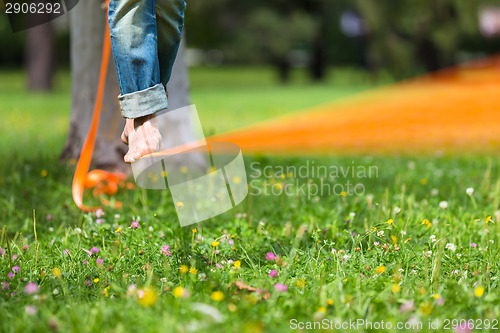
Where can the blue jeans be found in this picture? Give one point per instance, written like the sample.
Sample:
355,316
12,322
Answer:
145,37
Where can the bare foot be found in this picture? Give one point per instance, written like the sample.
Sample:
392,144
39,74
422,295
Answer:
142,136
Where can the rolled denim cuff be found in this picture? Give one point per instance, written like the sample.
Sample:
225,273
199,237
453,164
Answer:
144,102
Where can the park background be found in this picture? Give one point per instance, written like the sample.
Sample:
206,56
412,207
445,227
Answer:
418,244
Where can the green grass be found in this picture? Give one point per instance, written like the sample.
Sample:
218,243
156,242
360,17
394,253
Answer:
299,225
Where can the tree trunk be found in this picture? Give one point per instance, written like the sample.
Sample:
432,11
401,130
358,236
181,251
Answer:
87,23
40,57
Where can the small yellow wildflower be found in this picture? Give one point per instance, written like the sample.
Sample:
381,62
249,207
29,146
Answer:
390,221
427,223
322,309
381,269
479,291
423,181
344,194
425,308
180,204
217,296
44,173
179,292
96,280
396,288
394,238
215,243
193,271
488,219
147,296
300,283
330,301
237,264
105,291
184,269
57,272
118,230
164,174
195,230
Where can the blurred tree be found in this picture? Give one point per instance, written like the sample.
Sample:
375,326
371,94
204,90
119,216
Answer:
39,57
270,36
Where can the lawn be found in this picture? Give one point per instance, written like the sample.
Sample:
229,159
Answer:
410,241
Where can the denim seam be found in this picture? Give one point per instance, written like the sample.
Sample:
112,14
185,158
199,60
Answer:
144,102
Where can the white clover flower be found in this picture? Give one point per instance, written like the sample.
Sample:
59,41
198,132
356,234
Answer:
397,210
151,229
163,279
117,216
443,204
413,271
433,238
451,247
352,214
51,229
459,255
434,192
427,254
469,191
78,231
55,292
202,276
380,233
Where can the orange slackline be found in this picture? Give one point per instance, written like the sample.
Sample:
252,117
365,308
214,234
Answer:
452,111
103,182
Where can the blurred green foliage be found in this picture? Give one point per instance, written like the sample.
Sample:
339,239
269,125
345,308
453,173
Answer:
406,37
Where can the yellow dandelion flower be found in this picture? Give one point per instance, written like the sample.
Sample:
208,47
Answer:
215,243
118,230
279,186
390,221
105,291
233,248
344,194
44,173
322,309
164,174
330,301
396,288
436,296
232,236
193,271
423,181
147,296
479,291
195,230
237,264
179,292
217,296
96,280
381,269
180,204
57,272
375,229
283,176
488,219
394,238
184,269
